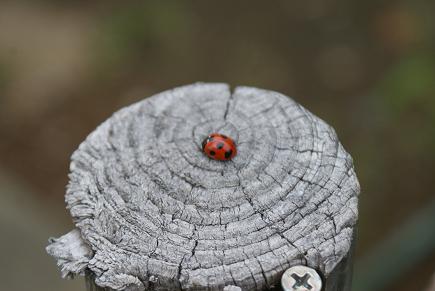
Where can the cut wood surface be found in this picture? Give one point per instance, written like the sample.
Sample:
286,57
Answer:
159,214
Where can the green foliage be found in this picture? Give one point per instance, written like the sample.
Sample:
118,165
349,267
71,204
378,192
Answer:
128,32
408,103
410,84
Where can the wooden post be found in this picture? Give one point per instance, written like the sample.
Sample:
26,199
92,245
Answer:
154,213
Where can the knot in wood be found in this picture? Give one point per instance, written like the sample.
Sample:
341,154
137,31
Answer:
150,204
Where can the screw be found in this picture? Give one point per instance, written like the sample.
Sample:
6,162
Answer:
301,278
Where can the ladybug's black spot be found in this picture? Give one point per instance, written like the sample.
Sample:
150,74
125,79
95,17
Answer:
220,145
228,154
213,153
224,136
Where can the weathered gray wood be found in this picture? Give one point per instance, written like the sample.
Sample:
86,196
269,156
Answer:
71,252
340,279
90,283
158,214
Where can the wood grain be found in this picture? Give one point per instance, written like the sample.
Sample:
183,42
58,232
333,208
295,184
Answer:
158,214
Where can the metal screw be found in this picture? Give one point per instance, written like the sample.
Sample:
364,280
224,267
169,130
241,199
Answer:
301,278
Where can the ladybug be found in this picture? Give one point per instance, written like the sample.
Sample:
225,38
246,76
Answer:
219,147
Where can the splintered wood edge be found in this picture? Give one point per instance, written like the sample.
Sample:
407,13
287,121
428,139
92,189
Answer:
71,252
157,213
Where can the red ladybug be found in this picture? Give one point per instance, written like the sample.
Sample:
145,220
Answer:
219,147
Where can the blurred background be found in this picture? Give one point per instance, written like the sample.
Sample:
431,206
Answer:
366,67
